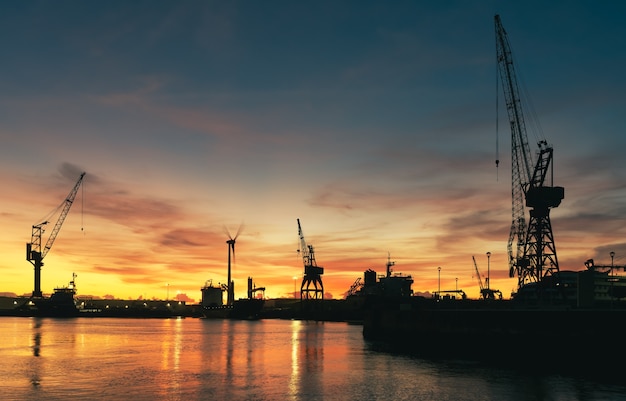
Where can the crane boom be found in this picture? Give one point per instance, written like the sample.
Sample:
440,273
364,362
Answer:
34,252
534,255
480,280
520,151
308,254
67,204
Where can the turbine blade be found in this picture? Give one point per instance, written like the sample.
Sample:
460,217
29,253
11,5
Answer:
226,231
239,230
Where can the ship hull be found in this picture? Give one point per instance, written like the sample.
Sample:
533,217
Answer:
245,309
495,329
49,307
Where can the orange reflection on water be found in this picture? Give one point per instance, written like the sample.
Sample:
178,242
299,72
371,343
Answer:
172,358
171,350
179,358
294,381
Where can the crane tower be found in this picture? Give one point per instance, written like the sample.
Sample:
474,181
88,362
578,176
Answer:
34,252
533,256
312,272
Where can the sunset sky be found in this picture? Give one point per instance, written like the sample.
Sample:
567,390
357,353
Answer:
373,122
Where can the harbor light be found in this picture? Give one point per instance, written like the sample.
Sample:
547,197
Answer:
438,281
488,268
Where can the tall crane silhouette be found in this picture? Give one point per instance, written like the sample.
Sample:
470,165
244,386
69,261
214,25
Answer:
531,247
312,272
34,252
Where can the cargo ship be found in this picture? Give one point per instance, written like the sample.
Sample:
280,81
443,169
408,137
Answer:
213,307
571,318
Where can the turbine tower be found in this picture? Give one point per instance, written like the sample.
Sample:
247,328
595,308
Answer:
230,287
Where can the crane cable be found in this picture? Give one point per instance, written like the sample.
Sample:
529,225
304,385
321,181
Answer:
82,209
497,119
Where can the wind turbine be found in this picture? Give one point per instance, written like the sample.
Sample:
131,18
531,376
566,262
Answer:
230,296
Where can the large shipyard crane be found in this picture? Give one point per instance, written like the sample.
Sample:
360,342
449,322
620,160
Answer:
533,257
312,272
34,252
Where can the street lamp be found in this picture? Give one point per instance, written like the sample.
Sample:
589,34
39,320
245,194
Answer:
439,282
294,287
167,296
456,284
488,268
612,256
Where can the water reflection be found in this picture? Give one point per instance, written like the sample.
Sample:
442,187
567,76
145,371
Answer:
35,377
312,356
308,341
230,373
238,360
36,345
171,350
294,379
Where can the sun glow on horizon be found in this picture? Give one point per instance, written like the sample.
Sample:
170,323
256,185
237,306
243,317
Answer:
378,133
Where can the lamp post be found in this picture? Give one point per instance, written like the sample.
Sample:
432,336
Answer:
294,287
438,282
456,284
488,268
612,256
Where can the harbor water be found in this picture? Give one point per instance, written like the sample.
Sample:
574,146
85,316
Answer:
200,359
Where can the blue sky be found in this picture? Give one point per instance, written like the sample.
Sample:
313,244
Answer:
373,122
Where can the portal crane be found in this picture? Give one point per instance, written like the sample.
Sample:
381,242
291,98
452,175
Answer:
34,252
312,272
485,291
534,256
